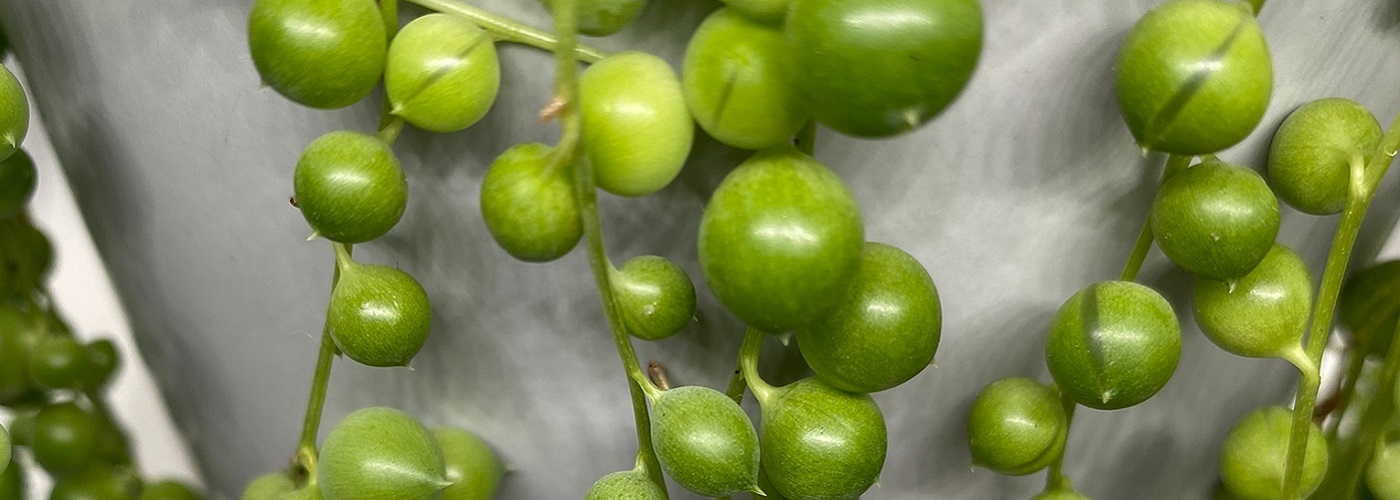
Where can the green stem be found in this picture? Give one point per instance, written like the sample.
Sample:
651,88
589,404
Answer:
570,151
748,365
1175,163
1374,424
1055,479
306,447
390,128
508,30
389,10
1366,174
1306,369
1144,243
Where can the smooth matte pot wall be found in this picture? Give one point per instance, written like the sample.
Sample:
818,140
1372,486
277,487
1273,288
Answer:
1028,188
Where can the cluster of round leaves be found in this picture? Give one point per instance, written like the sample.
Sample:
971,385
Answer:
637,135
1316,157
757,69
782,242
350,189
1193,77
441,74
1112,345
637,121
47,377
782,246
381,452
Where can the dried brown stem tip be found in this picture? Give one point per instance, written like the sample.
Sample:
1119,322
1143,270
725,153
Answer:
658,375
552,109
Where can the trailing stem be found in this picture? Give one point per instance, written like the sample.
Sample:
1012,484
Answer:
316,401
570,151
1366,174
509,30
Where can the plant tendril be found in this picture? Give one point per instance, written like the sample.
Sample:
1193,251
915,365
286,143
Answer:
1364,179
748,365
570,151
316,401
508,30
1175,163
1055,478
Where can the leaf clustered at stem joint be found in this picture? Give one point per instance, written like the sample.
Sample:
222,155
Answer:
1365,175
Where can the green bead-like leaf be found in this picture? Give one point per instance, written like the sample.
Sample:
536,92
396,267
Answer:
349,187
62,363
770,11
655,296
625,485
637,129
308,492
169,490
1017,426
531,210
604,17
469,463
821,442
1369,306
378,315
1113,345
6,448
1383,473
270,486
1253,456
705,441
1265,313
738,82
780,240
1194,76
14,114
98,482
380,453
883,332
65,438
882,68
17,182
320,53
16,339
12,485
1310,157
105,359
442,74
1215,220
1060,495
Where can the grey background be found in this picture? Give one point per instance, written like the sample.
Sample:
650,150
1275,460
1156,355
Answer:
1027,189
